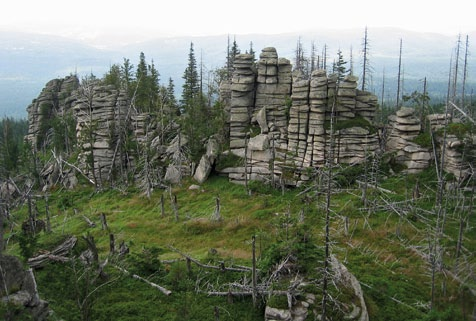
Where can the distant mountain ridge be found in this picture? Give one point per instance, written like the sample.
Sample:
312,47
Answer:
28,61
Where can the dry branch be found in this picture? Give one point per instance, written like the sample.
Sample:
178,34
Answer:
206,266
152,284
90,223
57,255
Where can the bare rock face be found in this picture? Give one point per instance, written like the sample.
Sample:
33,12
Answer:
206,162
18,287
272,104
101,116
403,128
55,99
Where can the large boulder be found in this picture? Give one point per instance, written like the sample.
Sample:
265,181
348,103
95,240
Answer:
18,287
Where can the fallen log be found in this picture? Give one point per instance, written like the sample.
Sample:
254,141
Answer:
221,267
57,255
152,284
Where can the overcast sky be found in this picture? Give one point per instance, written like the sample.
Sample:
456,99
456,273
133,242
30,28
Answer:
89,18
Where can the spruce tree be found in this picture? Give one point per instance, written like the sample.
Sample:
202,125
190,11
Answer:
141,85
191,86
127,76
339,66
195,119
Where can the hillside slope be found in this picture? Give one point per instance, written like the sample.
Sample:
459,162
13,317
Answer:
385,241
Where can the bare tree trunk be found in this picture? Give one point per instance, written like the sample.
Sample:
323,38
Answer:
399,74
162,206
47,210
103,221
455,75
365,62
216,214
112,244
216,313
246,165
465,72
173,200
327,246
2,216
253,276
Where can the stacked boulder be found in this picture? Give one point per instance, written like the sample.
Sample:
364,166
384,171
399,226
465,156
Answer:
366,105
313,102
438,121
242,99
101,119
298,125
258,114
403,128
54,100
345,102
318,100
454,158
18,288
354,144
279,125
273,88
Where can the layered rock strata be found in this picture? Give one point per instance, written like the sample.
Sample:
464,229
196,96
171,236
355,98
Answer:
403,128
101,118
279,121
55,99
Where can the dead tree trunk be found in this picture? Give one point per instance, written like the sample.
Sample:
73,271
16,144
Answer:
112,244
173,201
216,213
253,249
103,221
47,210
399,75
162,205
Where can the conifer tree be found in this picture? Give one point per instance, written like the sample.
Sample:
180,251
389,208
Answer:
252,51
113,76
339,66
191,86
195,119
127,76
141,96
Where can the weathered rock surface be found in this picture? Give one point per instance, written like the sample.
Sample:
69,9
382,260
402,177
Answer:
279,119
279,124
55,99
402,129
18,287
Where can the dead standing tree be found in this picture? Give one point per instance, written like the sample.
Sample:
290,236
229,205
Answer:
86,119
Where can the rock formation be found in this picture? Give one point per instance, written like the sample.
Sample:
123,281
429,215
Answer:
279,121
101,114
403,128
55,99
279,128
18,288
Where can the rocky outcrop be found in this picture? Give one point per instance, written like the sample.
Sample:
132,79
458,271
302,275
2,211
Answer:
55,100
280,125
101,117
403,128
279,121
454,155
18,288
206,162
